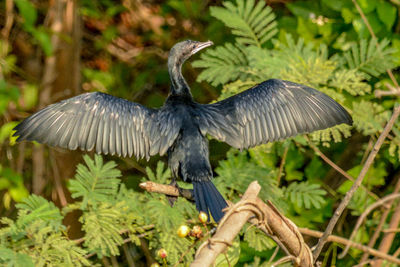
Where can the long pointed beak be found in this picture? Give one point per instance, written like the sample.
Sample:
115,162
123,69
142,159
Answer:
200,46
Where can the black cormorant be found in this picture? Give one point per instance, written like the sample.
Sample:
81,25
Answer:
270,111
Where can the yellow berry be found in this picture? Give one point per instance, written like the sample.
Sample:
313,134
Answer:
155,265
162,253
203,217
183,231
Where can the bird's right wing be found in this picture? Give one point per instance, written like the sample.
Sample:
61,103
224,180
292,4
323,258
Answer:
270,111
104,122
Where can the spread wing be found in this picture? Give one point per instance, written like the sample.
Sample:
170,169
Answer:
270,111
102,122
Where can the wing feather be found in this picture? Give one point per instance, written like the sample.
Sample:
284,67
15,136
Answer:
270,111
102,122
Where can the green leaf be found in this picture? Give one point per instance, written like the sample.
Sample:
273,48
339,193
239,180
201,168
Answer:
161,175
102,227
371,57
7,130
351,81
367,6
386,13
254,24
236,173
30,96
315,170
13,259
257,239
348,15
27,11
223,64
96,182
360,200
231,257
176,246
338,5
375,175
44,40
369,118
305,195
35,208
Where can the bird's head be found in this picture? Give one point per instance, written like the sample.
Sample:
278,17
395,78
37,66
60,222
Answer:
180,52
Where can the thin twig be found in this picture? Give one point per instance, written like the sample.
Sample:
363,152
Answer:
381,223
364,215
391,230
274,254
131,262
282,164
341,240
5,32
167,190
337,168
388,238
363,263
396,253
357,183
121,232
371,31
57,181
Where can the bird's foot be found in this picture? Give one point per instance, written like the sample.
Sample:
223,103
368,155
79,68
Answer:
172,199
186,193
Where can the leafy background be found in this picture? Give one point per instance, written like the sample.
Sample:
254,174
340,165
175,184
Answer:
55,213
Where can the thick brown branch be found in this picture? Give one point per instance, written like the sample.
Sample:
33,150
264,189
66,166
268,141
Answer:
228,229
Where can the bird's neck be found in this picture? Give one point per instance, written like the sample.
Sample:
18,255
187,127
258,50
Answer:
179,85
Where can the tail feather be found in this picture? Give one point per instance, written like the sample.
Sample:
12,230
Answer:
208,199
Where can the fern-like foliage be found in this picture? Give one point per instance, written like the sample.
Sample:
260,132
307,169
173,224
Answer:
351,81
54,249
395,143
367,57
8,257
161,174
237,172
369,117
254,24
102,227
305,194
257,239
96,182
37,238
223,64
176,245
34,208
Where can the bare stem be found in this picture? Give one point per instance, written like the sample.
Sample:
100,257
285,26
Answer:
381,223
341,240
356,184
337,168
364,215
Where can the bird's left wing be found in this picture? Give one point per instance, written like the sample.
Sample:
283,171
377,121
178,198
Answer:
270,111
109,124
